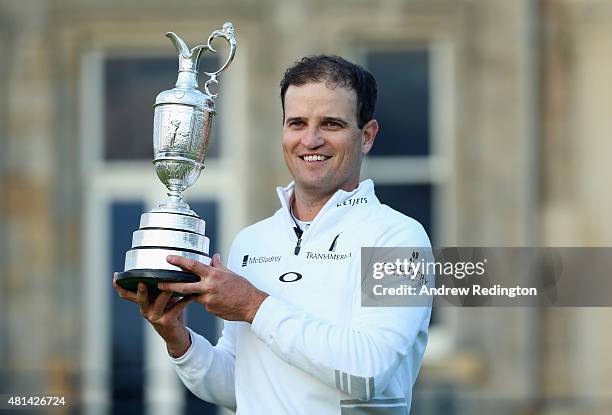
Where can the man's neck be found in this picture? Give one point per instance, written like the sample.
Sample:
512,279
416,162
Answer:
306,207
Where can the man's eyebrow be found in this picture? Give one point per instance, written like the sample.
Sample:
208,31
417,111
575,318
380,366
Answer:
290,119
335,119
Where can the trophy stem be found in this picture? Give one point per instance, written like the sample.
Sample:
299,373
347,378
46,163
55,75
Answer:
175,196
175,201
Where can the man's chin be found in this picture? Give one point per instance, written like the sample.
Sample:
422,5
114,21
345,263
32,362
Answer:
316,185
317,189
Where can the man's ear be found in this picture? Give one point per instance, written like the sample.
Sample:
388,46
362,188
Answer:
369,131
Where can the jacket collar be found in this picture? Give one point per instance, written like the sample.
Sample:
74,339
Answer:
362,195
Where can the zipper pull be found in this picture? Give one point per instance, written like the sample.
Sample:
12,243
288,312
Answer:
298,233
297,247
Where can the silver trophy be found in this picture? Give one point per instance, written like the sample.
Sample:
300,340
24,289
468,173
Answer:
182,123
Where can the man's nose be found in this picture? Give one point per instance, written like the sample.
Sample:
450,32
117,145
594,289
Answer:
312,138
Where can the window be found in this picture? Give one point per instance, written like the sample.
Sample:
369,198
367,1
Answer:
403,146
403,102
127,355
413,200
131,85
197,319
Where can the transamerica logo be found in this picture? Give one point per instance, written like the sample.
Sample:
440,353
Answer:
327,255
353,202
246,260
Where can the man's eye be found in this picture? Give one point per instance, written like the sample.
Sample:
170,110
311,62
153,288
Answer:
296,124
332,124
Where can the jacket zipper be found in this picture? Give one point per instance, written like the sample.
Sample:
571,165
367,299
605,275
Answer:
298,233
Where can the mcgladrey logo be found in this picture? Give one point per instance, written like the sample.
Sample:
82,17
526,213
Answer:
248,260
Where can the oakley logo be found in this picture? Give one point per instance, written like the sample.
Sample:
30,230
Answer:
290,276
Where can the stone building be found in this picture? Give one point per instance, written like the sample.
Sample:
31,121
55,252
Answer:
495,132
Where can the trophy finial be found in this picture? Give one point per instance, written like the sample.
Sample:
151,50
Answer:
189,58
188,61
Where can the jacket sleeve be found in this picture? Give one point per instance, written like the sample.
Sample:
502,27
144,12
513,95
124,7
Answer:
359,358
209,371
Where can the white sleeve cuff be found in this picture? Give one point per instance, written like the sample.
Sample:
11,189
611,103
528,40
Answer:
198,357
268,317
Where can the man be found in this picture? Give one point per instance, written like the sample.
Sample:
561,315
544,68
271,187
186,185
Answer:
296,339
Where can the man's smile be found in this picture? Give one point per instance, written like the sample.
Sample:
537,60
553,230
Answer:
314,158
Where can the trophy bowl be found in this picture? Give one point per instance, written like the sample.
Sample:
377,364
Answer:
181,130
177,174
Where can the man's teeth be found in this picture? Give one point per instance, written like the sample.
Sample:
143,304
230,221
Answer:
315,157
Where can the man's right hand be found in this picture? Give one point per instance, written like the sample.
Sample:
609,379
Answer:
165,313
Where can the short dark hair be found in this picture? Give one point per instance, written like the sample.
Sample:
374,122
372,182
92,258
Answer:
334,71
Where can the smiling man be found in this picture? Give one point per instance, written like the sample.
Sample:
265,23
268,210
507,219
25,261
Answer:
324,140
296,339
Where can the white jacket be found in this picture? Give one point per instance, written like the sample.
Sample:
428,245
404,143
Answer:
312,348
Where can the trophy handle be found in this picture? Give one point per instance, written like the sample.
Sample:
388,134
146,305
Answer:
227,32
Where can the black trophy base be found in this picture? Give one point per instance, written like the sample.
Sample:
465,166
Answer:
151,277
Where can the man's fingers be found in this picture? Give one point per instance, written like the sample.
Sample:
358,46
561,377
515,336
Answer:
181,287
159,306
172,301
142,297
188,265
123,293
180,306
216,263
